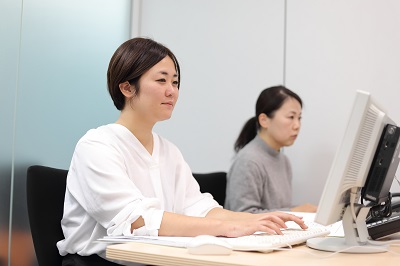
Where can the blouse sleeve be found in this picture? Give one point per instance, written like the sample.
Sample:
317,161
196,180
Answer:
98,181
188,198
198,204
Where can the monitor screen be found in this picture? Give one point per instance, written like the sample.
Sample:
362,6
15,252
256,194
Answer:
340,199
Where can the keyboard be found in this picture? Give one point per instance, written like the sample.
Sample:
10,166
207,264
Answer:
264,242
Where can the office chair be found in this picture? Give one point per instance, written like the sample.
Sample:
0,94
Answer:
45,190
213,183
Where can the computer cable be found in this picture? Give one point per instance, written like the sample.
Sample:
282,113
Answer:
380,211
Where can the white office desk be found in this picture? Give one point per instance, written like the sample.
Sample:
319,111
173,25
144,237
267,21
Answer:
300,255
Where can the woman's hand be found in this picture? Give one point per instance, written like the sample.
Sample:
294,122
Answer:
264,222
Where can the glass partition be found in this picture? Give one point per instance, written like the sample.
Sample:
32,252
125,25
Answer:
53,63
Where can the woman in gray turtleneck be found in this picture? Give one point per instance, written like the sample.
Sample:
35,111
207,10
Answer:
260,178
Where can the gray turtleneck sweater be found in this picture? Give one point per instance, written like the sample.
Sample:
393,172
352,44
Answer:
259,180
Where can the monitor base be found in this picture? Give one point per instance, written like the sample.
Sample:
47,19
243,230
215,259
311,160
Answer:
338,244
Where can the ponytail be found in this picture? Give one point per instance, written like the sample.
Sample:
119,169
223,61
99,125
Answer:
249,131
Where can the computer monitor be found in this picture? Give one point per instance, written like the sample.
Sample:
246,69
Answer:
340,199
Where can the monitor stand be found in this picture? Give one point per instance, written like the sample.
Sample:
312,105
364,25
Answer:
355,238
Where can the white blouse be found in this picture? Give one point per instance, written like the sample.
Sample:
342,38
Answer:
113,180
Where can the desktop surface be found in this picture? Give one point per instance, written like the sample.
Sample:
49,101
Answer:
152,254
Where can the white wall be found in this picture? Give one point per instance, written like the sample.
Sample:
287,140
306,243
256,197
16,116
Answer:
335,48
230,50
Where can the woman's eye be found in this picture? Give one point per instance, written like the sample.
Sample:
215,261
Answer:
175,82
161,80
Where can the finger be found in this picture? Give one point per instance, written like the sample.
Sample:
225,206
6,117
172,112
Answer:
299,220
283,216
276,220
303,225
291,217
272,228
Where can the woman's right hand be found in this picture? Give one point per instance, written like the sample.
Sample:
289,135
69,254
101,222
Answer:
264,222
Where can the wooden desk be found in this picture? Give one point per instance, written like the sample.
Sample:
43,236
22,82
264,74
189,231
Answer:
298,256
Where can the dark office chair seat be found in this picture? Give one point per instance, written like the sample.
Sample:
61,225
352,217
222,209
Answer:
213,183
45,190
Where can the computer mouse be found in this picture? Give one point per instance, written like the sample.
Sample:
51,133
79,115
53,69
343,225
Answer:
208,245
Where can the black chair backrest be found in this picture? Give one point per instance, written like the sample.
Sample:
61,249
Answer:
213,183
45,188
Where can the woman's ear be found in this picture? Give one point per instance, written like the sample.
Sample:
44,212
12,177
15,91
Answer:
263,120
127,89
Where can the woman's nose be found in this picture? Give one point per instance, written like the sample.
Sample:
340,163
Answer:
297,124
171,90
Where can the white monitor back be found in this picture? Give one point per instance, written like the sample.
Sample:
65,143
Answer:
353,158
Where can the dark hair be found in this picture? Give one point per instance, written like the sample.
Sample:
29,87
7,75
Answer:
270,100
130,61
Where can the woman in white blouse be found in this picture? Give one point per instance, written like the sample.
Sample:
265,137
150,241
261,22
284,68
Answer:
124,179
